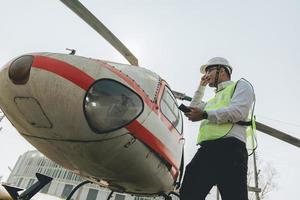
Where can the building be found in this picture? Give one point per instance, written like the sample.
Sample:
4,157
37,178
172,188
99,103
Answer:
31,162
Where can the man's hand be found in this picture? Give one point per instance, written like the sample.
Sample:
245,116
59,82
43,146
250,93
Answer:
204,80
195,114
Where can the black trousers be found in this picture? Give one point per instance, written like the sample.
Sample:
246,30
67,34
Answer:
222,162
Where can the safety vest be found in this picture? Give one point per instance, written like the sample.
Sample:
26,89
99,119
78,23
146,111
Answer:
212,131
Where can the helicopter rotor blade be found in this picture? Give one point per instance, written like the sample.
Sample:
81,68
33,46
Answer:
98,26
278,134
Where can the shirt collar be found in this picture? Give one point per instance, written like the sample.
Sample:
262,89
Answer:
223,85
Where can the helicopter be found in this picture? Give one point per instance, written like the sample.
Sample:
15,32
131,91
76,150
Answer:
119,126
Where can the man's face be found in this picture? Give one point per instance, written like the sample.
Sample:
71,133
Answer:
211,75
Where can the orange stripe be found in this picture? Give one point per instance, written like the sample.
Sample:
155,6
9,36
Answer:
143,134
65,70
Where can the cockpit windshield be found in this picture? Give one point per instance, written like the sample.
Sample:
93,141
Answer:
110,105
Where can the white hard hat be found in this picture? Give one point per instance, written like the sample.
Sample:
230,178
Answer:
216,61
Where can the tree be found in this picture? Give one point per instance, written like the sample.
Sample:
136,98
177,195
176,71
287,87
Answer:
266,178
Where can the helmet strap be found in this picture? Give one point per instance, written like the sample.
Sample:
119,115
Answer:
217,77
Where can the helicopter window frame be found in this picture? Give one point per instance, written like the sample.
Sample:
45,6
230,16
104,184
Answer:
95,129
168,91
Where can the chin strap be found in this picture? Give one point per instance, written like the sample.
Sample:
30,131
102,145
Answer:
217,77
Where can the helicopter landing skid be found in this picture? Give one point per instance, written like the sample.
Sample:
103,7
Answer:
164,195
81,184
76,188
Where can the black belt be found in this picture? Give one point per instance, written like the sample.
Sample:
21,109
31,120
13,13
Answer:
243,123
230,141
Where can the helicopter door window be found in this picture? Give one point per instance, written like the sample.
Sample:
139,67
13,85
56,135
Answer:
170,109
110,105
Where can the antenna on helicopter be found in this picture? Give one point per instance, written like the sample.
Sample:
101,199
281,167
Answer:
98,26
72,51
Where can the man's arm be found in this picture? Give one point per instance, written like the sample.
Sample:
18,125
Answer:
241,103
197,98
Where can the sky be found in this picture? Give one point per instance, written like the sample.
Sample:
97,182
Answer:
173,38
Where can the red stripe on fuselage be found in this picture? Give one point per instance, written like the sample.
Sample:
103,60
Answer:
84,81
143,134
65,70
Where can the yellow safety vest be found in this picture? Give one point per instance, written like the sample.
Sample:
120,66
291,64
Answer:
212,131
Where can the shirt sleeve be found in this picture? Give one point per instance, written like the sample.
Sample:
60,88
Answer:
197,98
239,107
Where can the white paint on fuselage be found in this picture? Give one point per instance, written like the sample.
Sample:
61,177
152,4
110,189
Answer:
70,141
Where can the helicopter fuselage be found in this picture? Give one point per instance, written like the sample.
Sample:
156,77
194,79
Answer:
115,124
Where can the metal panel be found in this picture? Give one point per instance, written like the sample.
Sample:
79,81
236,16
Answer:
32,112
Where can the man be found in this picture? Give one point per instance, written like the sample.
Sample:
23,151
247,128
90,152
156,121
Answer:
222,157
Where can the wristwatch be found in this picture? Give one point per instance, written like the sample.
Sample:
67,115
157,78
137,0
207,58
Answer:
204,115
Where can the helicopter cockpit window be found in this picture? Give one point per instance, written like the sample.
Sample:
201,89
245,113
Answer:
170,109
110,105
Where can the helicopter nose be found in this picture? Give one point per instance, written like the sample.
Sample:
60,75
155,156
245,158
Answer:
110,105
19,70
